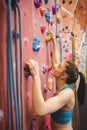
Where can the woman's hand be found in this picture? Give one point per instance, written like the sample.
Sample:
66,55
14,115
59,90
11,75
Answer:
33,67
52,35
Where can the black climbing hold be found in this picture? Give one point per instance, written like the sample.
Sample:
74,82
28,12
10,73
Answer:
26,70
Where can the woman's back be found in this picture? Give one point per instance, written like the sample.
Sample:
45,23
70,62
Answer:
61,119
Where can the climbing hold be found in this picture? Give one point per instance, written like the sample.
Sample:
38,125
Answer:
57,36
46,1
33,124
64,16
49,68
63,46
43,29
50,81
15,35
45,88
72,34
47,39
66,27
65,41
37,3
36,44
66,50
26,71
46,69
70,2
48,15
63,1
54,10
51,23
42,11
59,18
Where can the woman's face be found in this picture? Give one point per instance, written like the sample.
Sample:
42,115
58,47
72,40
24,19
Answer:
59,70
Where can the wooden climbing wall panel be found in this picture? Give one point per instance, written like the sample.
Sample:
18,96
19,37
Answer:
73,18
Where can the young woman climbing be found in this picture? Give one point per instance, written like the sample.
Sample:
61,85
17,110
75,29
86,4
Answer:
61,105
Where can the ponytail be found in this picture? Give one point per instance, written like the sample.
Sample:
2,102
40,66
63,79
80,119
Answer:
81,89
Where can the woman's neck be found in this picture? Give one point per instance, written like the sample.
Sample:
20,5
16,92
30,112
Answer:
60,84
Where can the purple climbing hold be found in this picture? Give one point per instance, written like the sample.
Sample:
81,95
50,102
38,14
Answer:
33,124
45,69
45,89
66,50
54,10
37,3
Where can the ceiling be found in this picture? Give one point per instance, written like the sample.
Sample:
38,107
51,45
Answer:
77,8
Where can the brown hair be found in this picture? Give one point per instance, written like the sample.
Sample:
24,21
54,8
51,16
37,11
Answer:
81,89
72,71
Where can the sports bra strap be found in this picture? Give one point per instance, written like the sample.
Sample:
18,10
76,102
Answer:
68,86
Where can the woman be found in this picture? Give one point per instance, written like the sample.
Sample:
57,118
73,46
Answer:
61,105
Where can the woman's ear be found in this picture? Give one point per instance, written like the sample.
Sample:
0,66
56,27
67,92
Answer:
64,76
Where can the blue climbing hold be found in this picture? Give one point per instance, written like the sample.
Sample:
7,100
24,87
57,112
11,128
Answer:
46,1
36,44
48,16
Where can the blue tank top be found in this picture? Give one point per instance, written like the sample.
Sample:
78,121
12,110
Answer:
60,116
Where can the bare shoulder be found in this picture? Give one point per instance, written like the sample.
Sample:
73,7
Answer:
66,94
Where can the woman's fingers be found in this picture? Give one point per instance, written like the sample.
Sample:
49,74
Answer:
33,65
51,34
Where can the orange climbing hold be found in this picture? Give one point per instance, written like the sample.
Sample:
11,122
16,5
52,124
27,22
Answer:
50,81
42,11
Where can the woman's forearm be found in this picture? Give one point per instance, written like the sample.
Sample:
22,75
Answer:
37,97
54,54
38,100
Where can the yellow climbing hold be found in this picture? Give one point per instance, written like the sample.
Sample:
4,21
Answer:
59,18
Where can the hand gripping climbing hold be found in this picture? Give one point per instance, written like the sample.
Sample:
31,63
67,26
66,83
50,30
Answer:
26,71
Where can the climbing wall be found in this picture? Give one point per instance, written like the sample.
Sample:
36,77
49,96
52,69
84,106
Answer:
37,17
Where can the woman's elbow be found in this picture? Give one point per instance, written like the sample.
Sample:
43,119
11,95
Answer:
39,112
